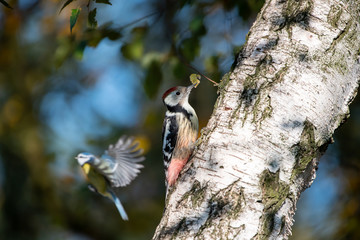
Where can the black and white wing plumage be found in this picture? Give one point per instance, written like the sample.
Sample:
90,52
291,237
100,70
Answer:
123,162
169,136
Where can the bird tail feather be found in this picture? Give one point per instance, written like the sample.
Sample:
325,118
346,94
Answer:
119,206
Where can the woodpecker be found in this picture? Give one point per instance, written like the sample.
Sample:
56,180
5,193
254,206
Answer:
117,167
179,133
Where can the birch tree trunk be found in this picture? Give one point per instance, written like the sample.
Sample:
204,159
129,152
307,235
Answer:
275,115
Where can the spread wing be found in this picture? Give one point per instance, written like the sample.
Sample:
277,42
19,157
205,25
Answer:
122,160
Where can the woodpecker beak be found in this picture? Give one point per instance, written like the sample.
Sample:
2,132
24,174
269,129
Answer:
189,88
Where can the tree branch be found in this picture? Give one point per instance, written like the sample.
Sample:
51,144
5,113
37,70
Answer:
275,115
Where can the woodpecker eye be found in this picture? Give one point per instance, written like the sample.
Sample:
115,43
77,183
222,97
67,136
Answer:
177,93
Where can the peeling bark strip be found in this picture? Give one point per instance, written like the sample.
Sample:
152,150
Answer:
274,117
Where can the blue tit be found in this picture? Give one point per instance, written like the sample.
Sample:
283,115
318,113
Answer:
117,167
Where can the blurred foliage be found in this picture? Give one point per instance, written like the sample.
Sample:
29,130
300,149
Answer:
5,4
43,45
43,52
153,79
134,50
180,45
348,138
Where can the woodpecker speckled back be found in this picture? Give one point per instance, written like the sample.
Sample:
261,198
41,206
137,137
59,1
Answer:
180,130
117,167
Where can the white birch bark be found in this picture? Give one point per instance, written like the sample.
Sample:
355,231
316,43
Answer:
275,115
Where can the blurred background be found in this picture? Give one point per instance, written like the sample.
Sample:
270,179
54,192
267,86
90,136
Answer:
75,80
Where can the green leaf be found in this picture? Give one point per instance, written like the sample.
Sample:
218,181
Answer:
179,70
212,67
73,18
190,48
212,64
185,2
79,50
110,33
197,27
5,4
64,50
94,35
103,1
247,8
65,4
92,18
153,79
133,50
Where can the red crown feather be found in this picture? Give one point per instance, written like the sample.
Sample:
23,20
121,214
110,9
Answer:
168,92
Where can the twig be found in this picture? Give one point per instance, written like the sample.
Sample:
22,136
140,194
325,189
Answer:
138,20
193,68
